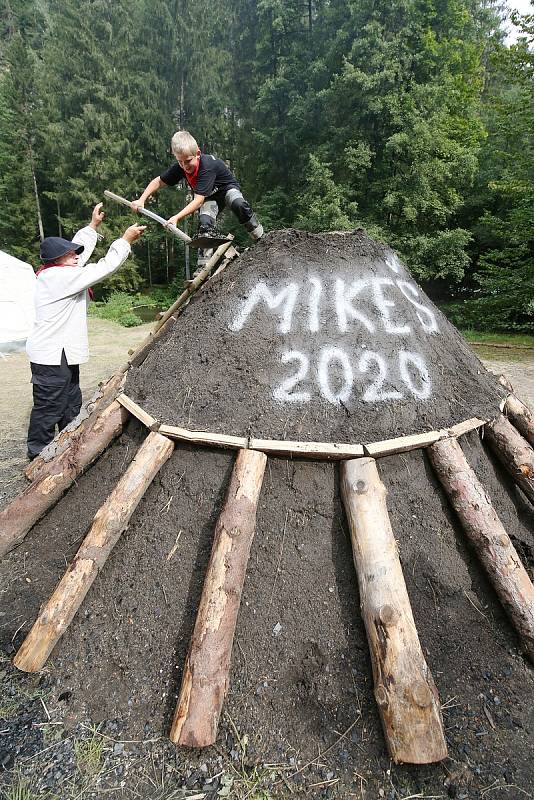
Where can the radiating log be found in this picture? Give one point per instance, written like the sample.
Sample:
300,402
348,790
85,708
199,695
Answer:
26,509
168,319
516,455
206,672
521,417
110,521
407,697
488,537
70,436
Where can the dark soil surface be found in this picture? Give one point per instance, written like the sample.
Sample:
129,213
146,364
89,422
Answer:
301,682
299,719
353,352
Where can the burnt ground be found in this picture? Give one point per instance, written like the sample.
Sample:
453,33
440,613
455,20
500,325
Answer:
301,682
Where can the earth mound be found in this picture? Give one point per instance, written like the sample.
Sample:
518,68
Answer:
314,337
301,684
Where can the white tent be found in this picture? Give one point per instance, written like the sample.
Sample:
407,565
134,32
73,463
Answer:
17,313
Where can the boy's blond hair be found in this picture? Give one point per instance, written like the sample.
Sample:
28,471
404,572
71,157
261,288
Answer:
183,144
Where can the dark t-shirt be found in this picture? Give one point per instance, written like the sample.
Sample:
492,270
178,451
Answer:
213,176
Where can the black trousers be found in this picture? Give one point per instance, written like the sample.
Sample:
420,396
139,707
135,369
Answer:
57,399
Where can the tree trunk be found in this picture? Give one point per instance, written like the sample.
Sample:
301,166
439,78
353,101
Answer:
513,452
488,537
521,417
70,436
110,521
407,697
206,672
20,515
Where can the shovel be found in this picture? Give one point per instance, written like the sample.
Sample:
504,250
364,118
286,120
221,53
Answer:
198,241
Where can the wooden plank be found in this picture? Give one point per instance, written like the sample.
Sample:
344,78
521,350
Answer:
465,427
405,692
204,437
403,443
138,412
319,450
110,521
486,533
206,673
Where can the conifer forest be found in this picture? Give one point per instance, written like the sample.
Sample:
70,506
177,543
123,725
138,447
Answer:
412,119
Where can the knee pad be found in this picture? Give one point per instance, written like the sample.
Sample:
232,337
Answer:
208,213
235,201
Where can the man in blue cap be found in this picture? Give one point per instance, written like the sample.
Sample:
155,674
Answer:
58,342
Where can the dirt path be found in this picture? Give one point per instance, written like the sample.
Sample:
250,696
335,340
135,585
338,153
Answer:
109,344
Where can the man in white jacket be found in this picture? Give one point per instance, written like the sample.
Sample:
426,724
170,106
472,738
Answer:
58,342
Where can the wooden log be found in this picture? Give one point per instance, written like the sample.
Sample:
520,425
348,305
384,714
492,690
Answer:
407,697
138,355
70,436
521,417
206,671
516,455
26,509
110,521
488,537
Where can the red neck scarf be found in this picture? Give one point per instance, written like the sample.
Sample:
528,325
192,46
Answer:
192,179
47,266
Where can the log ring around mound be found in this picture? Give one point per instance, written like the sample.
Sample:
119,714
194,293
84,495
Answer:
312,450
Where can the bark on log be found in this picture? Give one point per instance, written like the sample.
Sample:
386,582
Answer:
110,521
488,537
206,671
26,509
69,437
521,417
516,455
407,697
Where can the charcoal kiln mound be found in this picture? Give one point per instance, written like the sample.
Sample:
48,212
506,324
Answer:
320,337
335,671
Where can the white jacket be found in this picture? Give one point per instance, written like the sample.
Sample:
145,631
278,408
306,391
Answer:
61,302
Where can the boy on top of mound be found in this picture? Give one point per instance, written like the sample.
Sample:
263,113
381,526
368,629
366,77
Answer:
213,185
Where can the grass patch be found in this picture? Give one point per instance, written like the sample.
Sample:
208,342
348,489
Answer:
89,753
120,307
22,791
489,338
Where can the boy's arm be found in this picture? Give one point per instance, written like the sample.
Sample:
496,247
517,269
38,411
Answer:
190,208
154,185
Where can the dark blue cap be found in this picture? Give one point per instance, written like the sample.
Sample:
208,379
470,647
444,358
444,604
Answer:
54,247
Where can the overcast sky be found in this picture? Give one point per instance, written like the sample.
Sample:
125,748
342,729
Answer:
524,7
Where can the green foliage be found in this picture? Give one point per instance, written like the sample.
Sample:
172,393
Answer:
409,118
164,296
323,205
119,308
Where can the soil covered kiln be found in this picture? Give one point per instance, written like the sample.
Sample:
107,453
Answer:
366,432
